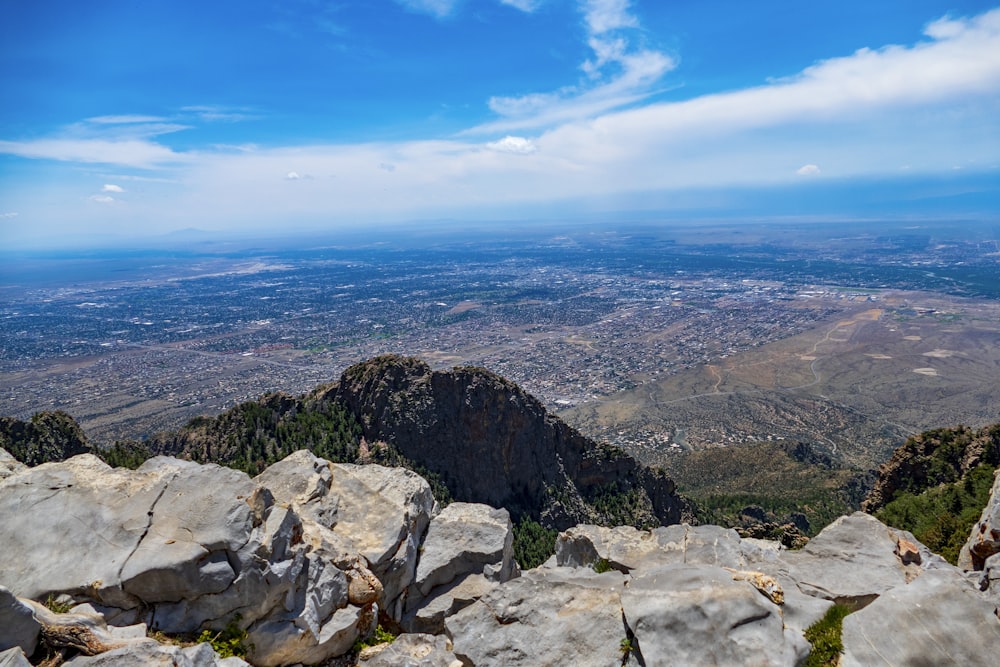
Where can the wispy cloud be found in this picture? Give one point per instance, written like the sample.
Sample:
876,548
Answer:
102,199
524,5
8,215
436,8
617,74
132,153
808,170
111,187
219,113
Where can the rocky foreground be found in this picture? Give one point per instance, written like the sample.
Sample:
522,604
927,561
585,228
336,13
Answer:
310,557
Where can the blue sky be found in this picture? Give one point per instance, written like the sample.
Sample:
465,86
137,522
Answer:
139,118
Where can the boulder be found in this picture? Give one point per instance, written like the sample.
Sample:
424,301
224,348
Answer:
937,619
18,627
413,650
626,548
9,465
466,538
377,512
984,540
467,550
704,615
185,547
152,654
557,616
13,657
855,559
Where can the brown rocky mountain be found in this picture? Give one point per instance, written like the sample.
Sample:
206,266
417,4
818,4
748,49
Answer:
491,442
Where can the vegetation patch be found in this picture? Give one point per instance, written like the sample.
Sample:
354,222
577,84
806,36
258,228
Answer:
825,638
942,517
228,642
781,479
533,543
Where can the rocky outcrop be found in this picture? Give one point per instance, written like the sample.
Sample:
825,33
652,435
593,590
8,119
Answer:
47,436
308,556
932,458
493,443
937,619
467,552
181,547
984,541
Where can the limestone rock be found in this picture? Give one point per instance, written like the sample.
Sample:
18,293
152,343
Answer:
558,616
700,615
937,619
414,650
186,547
9,465
467,550
154,654
427,614
13,657
984,540
625,548
466,538
383,516
854,560
18,627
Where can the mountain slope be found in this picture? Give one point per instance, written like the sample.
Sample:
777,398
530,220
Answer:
491,442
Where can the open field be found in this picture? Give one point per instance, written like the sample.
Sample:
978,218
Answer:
857,383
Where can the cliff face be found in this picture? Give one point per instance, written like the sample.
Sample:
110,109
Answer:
931,458
493,443
47,436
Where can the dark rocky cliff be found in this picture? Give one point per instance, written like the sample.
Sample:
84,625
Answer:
491,442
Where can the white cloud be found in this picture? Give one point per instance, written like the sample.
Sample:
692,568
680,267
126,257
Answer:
293,176
605,15
8,215
808,170
216,113
132,153
102,199
527,6
509,144
617,75
438,8
110,187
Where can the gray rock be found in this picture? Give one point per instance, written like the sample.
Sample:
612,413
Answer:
383,514
414,650
18,627
13,657
9,465
467,550
853,560
984,539
465,538
699,615
153,654
185,547
937,619
626,548
558,616
427,615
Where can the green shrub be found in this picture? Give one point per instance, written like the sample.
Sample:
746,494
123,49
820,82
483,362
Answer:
942,517
533,543
825,638
228,642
